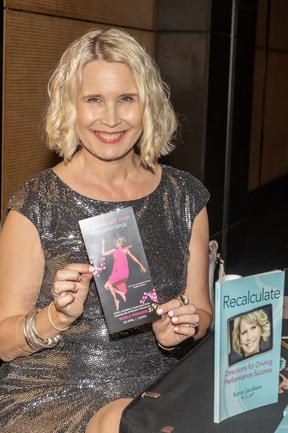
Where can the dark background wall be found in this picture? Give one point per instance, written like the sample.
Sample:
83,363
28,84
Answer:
182,52
226,63
269,135
205,50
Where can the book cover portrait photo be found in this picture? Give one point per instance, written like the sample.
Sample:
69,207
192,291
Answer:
250,333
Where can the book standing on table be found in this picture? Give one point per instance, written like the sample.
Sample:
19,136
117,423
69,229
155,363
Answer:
248,322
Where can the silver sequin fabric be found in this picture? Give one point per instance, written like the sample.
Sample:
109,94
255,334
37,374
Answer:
58,390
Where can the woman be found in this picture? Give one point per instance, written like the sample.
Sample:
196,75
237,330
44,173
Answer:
116,282
110,119
251,333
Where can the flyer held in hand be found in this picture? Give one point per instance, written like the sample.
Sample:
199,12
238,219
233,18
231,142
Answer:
122,276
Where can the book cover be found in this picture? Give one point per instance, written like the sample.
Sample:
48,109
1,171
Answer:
248,323
122,276
283,374
285,308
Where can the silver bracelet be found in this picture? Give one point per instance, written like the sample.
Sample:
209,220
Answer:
32,337
24,349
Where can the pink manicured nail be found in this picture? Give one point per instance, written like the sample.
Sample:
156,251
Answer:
159,311
176,328
170,313
91,269
174,319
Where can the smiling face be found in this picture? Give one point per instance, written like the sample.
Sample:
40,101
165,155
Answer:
109,120
249,335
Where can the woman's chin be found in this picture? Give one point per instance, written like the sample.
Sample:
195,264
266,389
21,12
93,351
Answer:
252,352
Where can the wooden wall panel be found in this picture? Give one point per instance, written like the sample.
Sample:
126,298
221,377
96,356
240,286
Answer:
128,13
278,25
261,28
33,46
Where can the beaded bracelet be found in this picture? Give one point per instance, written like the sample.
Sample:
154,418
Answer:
51,320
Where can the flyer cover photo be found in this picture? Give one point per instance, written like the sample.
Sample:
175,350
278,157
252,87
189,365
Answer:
122,275
248,323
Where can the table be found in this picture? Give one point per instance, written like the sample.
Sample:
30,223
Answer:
196,413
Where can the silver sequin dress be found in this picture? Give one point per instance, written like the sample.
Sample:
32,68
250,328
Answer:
58,390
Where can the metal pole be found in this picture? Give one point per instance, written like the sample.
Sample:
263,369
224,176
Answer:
229,128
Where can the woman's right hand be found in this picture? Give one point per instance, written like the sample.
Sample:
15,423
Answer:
70,290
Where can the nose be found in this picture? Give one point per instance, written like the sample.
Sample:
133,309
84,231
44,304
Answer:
110,116
249,335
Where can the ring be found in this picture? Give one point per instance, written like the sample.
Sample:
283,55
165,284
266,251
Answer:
193,325
183,299
55,292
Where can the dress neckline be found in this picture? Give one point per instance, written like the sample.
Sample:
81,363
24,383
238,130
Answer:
82,196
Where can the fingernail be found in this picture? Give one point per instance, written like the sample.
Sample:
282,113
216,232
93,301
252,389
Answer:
170,313
159,311
174,319
91,269
176,328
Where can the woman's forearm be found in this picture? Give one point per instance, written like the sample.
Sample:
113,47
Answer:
9,349
13,342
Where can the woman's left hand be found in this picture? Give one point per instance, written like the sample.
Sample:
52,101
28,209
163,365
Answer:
178,322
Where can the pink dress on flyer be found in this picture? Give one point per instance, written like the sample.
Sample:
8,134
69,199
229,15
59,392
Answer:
120,270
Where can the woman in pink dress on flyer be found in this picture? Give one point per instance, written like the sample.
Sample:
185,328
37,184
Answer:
116,282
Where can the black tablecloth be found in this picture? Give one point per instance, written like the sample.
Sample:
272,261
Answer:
147,415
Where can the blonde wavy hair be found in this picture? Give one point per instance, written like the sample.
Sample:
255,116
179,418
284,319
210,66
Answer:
112,45
258,318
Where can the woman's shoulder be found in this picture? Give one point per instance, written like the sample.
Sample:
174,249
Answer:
185,184
36,182
182,177
34,198
34,188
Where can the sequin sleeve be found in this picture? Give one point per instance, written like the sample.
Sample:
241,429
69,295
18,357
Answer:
188,196
199,192
29,201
